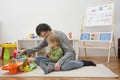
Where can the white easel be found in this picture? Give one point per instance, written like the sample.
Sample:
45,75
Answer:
102,15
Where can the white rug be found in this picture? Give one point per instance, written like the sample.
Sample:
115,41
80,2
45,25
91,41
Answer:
98,71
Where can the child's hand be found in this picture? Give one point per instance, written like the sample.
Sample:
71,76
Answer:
47,54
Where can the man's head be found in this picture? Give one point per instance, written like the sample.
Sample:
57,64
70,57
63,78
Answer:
42,29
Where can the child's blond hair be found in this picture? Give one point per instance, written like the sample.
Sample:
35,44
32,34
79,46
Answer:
53,38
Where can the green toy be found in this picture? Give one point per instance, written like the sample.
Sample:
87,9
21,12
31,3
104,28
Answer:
6,55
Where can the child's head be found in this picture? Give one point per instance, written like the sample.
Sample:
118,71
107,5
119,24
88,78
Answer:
53,40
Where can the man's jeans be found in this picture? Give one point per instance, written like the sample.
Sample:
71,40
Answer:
68,65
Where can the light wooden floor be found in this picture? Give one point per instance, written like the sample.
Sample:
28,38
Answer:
114,65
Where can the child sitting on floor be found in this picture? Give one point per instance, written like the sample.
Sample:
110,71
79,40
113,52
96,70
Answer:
54,55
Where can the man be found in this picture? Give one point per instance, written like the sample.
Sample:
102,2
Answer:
44,30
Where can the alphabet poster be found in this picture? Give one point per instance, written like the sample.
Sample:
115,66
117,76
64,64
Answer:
99,15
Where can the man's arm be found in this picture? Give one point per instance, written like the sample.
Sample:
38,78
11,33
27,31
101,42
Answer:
40,45
67,49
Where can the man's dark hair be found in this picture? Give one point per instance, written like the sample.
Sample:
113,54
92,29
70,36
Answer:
43,27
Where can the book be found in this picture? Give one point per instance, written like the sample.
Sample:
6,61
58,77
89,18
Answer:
85,36
105,36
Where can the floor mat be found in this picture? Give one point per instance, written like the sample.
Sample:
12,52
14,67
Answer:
89,71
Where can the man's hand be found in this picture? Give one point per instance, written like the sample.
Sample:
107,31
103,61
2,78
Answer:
21,52
57,66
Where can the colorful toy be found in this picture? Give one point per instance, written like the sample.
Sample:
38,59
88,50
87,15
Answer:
20,64
12,67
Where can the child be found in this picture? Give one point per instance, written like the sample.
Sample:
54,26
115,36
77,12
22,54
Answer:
54,55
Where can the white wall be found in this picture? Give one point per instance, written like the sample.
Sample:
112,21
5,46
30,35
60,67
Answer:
18,18
117,21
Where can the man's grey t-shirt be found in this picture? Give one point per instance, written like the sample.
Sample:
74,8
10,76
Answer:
65,44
